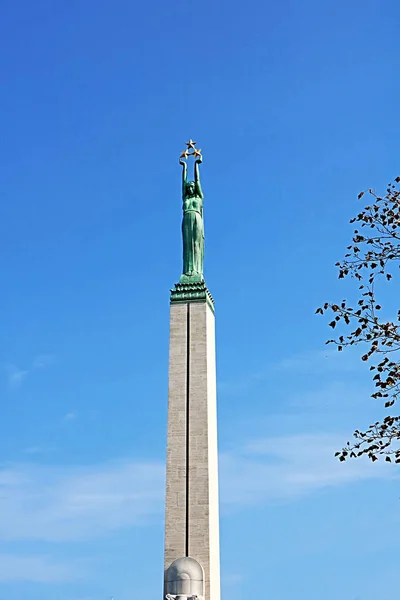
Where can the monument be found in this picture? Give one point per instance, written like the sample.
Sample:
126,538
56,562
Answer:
191,551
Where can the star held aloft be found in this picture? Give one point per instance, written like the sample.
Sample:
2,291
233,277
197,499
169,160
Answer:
191,150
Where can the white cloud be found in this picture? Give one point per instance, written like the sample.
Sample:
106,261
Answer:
16,376
340,396
328,360
87,598
42,361
69,503
232,579
35,450
289,467
38,569
319,363
70,416
77,503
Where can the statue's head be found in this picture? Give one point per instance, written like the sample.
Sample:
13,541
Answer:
190,188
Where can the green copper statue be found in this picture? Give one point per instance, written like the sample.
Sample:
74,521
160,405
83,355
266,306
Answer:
191,286
192,222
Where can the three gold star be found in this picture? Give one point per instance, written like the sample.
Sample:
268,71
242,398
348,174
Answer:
191,145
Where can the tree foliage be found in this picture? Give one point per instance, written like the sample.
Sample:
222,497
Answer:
370,260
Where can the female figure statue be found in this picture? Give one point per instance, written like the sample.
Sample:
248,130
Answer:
192,225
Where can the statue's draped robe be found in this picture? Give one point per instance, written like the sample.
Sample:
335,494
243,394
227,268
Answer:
193,236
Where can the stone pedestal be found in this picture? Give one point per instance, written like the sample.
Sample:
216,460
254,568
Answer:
191,519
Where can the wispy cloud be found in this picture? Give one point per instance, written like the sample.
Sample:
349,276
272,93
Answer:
328,362
77,503
38,569
336,395
17,376
87,598
34,450
289,467
43,360
232,579
70,416
66,503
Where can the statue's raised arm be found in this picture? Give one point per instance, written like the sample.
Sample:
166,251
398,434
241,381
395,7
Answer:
192,221
184,176
199,191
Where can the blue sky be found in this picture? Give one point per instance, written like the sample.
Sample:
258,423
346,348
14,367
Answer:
295,105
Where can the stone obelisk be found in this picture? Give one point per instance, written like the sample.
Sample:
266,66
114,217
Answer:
191,558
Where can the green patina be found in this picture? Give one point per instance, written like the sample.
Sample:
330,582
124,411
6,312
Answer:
192,226
192,292
191,286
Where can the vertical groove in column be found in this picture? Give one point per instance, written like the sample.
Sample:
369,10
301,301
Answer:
187,424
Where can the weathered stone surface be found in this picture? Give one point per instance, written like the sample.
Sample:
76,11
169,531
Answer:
192,521
175,509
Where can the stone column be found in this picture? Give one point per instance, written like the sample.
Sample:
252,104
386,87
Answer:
192,521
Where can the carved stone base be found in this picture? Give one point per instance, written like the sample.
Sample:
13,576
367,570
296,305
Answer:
193,278
185,580
195,291
182,597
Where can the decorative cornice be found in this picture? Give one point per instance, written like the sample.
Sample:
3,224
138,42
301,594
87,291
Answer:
196,291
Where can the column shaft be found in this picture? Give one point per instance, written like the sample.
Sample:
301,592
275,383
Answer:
192,522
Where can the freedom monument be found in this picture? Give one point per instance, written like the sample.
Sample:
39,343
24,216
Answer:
191,551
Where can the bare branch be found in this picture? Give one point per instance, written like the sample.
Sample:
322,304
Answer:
372,253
